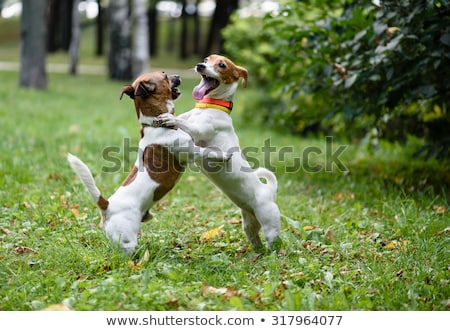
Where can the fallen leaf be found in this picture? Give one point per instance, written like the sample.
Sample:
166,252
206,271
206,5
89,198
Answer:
26,205
5,230
446,230
133,266
56,307
75,211
207,289
234,221
297,274
173,302
342,196
229,293
208,235
439,209
23,249
391,245
309,227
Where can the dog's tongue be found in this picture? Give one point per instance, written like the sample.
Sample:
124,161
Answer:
201,89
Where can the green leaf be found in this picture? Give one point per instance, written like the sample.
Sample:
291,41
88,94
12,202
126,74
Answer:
445,39
350,81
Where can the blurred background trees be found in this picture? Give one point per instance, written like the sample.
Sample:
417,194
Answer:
361,70
131,27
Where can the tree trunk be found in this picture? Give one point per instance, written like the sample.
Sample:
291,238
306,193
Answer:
33,44
59,25
119,59
140,49
220,19
99,29
152,29
75,39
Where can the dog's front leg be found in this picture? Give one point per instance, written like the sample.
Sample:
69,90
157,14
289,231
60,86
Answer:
196,131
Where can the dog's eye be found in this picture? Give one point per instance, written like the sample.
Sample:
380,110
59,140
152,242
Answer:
222,65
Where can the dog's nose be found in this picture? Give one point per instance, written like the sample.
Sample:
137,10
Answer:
176,79
200,67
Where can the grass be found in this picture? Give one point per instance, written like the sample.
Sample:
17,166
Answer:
374,237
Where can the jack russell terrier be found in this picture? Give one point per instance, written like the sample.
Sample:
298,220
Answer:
163,154
210,125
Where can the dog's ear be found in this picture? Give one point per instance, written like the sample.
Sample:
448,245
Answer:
244,74
144,89
128,90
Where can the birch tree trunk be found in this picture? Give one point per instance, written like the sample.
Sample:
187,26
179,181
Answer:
141,40
33,44
119,59
75,38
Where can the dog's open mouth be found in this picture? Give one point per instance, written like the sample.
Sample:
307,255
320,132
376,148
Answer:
175,82
175,93
207,84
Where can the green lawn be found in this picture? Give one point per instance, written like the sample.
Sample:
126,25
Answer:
375,237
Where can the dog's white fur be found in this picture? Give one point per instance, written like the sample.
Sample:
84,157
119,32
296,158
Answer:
213,128
123,212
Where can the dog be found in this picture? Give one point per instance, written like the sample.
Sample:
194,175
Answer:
163,155
210,125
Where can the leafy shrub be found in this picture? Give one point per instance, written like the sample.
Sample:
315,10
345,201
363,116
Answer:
348,67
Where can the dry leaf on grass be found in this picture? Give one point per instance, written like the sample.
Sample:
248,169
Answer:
209,235
23,250
56,307
309,227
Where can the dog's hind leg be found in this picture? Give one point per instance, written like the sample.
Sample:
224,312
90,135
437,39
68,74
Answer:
251,228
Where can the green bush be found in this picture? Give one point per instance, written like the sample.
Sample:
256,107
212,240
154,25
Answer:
348,67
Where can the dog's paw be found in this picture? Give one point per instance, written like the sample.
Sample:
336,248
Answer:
167,120
276,244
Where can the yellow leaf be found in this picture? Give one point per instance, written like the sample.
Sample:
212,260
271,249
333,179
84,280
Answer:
75,211
391,245
133,266
208,235
56,307
308,227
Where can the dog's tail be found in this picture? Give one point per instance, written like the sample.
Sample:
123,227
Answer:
270,178
86,177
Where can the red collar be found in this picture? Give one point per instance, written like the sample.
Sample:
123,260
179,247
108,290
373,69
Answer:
218,102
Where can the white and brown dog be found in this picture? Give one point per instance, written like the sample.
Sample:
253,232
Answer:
210,125
163,154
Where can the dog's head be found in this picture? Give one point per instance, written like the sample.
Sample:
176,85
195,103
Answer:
153,93
219,78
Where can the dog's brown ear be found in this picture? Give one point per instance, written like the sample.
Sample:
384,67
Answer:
244,74
144,89
128,90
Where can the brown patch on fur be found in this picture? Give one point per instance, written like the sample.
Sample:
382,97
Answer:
163,168
102,203
231,72
131,177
